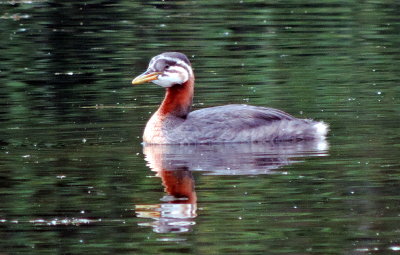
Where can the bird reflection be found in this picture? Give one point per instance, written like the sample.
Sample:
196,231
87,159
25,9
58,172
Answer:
174,164
179,206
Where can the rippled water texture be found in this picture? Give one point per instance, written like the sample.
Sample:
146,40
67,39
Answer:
75,179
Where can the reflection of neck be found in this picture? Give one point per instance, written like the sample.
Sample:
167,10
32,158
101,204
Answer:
180,185
178,99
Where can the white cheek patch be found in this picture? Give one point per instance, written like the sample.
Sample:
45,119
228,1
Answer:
174,75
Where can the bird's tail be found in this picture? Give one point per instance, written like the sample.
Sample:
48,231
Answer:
321,129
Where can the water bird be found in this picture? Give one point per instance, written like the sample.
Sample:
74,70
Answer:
175,123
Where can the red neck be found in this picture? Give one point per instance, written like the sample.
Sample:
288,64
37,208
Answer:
178,99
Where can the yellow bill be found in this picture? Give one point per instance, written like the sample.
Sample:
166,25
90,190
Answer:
145,77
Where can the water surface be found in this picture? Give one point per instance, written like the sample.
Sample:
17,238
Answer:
76,179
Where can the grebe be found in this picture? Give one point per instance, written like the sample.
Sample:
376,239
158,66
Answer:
173,123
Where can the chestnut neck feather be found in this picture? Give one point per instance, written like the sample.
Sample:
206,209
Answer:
178,99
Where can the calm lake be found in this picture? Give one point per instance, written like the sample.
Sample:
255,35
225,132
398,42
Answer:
75,178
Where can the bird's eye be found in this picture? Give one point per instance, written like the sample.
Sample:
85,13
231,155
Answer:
167,66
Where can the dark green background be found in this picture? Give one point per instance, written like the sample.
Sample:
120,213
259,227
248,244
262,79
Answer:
71,163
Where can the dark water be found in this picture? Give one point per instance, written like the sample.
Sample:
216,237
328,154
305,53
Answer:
75,178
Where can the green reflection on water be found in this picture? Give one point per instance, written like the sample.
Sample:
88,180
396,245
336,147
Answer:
72,173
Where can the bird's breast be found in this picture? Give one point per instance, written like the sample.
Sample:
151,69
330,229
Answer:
160,129
153,132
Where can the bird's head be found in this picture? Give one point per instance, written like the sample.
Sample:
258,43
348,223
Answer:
166,70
